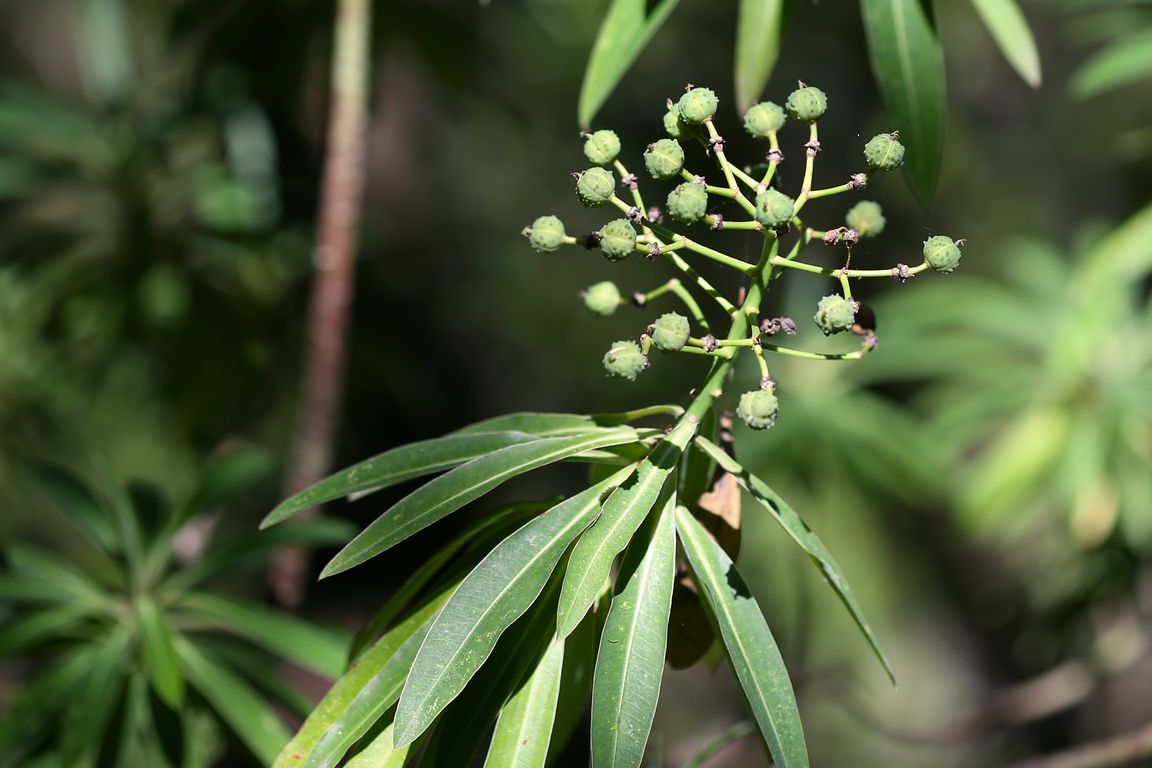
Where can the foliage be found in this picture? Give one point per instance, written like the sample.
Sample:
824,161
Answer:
132,657
511,617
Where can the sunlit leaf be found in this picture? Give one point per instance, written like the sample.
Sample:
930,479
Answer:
380,753
1124,61
750,645
758,28
159,651
1011,31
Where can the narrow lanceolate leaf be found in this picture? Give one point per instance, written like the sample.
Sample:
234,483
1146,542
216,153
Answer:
631,659
1011,32
239,706
757,47
909,67
395,466
75,499
93,702
750,645
496,593
362,696
466,483
554,424
795,526
1125,61
524,728
380,753
623,34
156,645
624,511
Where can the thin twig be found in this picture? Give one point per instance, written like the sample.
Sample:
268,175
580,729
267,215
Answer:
332,285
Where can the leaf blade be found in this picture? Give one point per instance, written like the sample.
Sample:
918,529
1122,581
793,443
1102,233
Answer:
630,663
157,646
758,29
524,727
1012,34
909,68
751,648
625,31
1125,61
468,482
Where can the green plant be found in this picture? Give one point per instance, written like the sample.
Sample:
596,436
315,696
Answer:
132,658
501,643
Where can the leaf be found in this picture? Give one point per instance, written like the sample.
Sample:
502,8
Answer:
555,424
73,497
723,507
576,679
1011,32
714,746
34,705
758,29
625,31
1124,61
395,466
524,727
795,526
380,753
751,647
362,695
94,701
909,68
40,626
466,483
222,479
632,646
624,511
496,593
234,701
306,645
159,652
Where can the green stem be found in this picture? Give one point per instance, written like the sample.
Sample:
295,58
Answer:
829,191
856,355
774,145
809,167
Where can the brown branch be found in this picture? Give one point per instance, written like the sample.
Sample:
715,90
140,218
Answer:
333,259
1128,749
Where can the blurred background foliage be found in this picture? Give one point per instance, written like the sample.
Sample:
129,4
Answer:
985,478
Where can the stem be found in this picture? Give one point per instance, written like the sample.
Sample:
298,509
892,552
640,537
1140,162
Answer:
829,191
334,275
789,351
809,167
709,188
774,145
681,292
636,198
703,250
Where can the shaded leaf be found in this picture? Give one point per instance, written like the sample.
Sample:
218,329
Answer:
626,29
73,497
555,424
714,746
496,593
631,658
1011,32
39,626
466,483
624,511
909,68
750,645
524,727
380,753
758,31
690,633
723,506
94,702
222,479
1124,61
159,652
795,526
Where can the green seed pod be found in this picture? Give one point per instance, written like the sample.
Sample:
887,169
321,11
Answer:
807,104
866,217
617,240
664,159
625,360
884,152
688,202
675,126
595,186
697,105
835,314
670,333
774,209
546,234
758,408
942,253
602,298
602,147
763,119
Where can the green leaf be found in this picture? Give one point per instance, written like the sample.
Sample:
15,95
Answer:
94,702
73,497
362,695
624,511
795,526
380,753
1124,61
35,705
234,701
751,647
623,34
38,627
466,483
1011,32
909,68
395,466
496,593
554,424
632,646
524,728
714,746
758,29
576,678
306,645
159,652
222,479
34,568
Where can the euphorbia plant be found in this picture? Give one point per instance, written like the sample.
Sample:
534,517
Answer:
493,629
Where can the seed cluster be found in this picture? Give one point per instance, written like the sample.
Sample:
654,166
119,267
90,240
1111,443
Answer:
772,215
